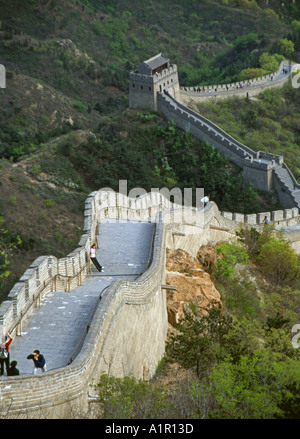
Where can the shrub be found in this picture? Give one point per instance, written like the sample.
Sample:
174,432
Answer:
49,203
79,106
231,254
36,170
129,398
279,262
200,339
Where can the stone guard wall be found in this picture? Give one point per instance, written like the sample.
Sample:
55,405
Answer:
250,87
259,168
128,330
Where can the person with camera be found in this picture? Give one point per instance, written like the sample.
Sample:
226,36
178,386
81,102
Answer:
39,361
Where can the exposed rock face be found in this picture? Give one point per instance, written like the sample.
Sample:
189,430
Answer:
207,256
192,282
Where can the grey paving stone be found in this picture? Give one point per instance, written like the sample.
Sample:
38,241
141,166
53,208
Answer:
56,327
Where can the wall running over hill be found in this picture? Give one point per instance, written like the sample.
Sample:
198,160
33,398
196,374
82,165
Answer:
248,88
134,310
265,171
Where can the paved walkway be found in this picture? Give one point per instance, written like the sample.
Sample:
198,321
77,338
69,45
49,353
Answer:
57,326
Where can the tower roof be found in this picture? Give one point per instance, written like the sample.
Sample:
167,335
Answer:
152,64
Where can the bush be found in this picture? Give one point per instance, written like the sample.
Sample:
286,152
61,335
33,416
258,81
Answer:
129,398
200,339
279,262
231,255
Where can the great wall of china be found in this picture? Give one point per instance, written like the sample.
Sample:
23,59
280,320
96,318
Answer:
132,310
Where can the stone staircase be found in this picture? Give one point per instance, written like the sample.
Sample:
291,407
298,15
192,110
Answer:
288,182
58,326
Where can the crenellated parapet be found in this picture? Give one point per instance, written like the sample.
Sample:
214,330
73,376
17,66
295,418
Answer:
280,218
129,309
264,171
249,87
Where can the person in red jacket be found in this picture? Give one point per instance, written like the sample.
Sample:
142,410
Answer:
4,353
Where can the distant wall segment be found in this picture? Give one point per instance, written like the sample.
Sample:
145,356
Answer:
248,88
162,92
264,171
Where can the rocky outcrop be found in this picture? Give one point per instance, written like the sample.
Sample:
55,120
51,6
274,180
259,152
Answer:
192,284
207,256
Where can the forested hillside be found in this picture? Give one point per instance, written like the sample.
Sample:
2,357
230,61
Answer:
65,127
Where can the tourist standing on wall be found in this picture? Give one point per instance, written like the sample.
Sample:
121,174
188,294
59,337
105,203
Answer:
4,352
94,259
266,220
205,200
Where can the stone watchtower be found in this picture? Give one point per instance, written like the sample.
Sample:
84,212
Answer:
151,77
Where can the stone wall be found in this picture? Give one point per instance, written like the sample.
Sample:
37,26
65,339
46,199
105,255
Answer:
250,87
128,330
162,92
265,171
127,333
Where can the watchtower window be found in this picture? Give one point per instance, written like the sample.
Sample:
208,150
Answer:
142,87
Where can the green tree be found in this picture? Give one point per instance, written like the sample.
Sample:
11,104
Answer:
251,73
268,62
290,402
200,340
129,398
253,239
279,262
231,254
286,47
254,387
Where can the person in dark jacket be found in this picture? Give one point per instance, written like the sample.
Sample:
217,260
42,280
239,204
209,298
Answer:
12,370
39,361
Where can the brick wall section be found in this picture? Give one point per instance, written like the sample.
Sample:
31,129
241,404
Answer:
137,309
265,171
259,168
250,87
128,330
